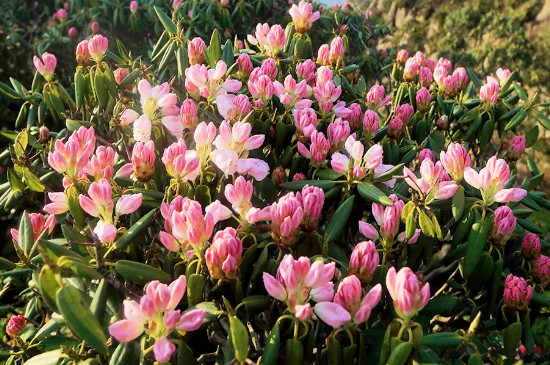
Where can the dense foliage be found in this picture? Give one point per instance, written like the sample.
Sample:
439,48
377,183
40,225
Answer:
267,199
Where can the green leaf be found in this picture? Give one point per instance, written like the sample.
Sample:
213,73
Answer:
458,203
298,185
185,354
15,182
196,284
532,136
20,143
271,349
32,181
26,235
372,193
441,340
400,354
135,230
512,338
48,286
426,224
55,342
214,48
388,175
519,90
47,358
140,273
476,242
339,219
328,174
166,21
239,337
80,318
543,120
516,120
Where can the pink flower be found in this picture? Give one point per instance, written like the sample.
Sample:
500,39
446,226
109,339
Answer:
233,108
223,257
101,164
323,54
270,39
305,121
488,93
156,310
143,160
517,293
445,63
176,4
195,51
371,160
158,100
83,56
355,116
455,160
516,148
411,69
408,293
461,78
128,116
105,231
46,65
298,177
245,65
449,85
430,184
420,58
179,164
349,294
404,112
306,71
337,133
303,16
142,129
133,6
503,74
260,86
312,199
238,138
269,68
298,282
286,216
326,93
388,218
541,270
292,94
201,81
39,224
505,223
128,204
423,100
332,314
278,176
425,77
364,258
70,158
59,204
16,325
61,15
439,74
395,128
318,148
97,46
239,195
426,153
491,181
336,53
204,136
530,246
370,124
99,203
402,56
94,27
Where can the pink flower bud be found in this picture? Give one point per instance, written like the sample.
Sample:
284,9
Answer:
370,124
408,293
443,123
411,69
425,77
61,15
163,350
94,27
127,204
72,32
323,55
455,160
426,153
97,46
298,177
337,133
364,260
517,293
46,65
176,4
516,148
461,78
336,53
318,149
306,71
223,257
505,223
105,231
423,100
541,270
195,51
404,112
395,128
142,129
375,97
143,160
503,74
83,56
286,216
305,121
355,116
245,65
303,16
402,56
312,200
445,63
488,93
120,74
278,176
16,325
530,247
133,6
303,311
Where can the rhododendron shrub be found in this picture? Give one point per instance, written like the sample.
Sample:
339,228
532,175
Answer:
267,203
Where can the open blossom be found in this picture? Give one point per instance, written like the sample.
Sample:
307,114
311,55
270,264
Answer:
318,148
260,86
541,270
298,282
388,218
142,129
305,121
517,293
179,163
39,224
238,138
239,195
270,39
455,160
70,158
364,260
155,315
195,51
326,93
505,223
409,294
312,199
157,101
16,325
97,46
292,94
430,182
205,82
223,257
371,160
488,93
491,181
105,232
45,65
337,133
303,16
233,108
101,163
375,97
185,224
59,204
99,203
530,246
286,216
143,160
349,295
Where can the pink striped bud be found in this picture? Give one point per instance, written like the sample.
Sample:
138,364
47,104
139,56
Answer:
128,204
445,63
133,6
188,114
461,78
260,86
449,84
370,124
530,247
195,51
143,160
337,133
245,65
505,223
179,164
423,100
439,74
425,77
404,112
336,52
306,71
395,128
303,16
286,216
46,65
105,232
355,116
94,27
323,54
426,153
516,148
541,270
298,177
364,261
83,56
488,93
402,56
16,325
312,200
349,295
269,68
98,47
455,160
305,121
223,257
120,74
517,293
409,294
411,69
278,176
375,97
